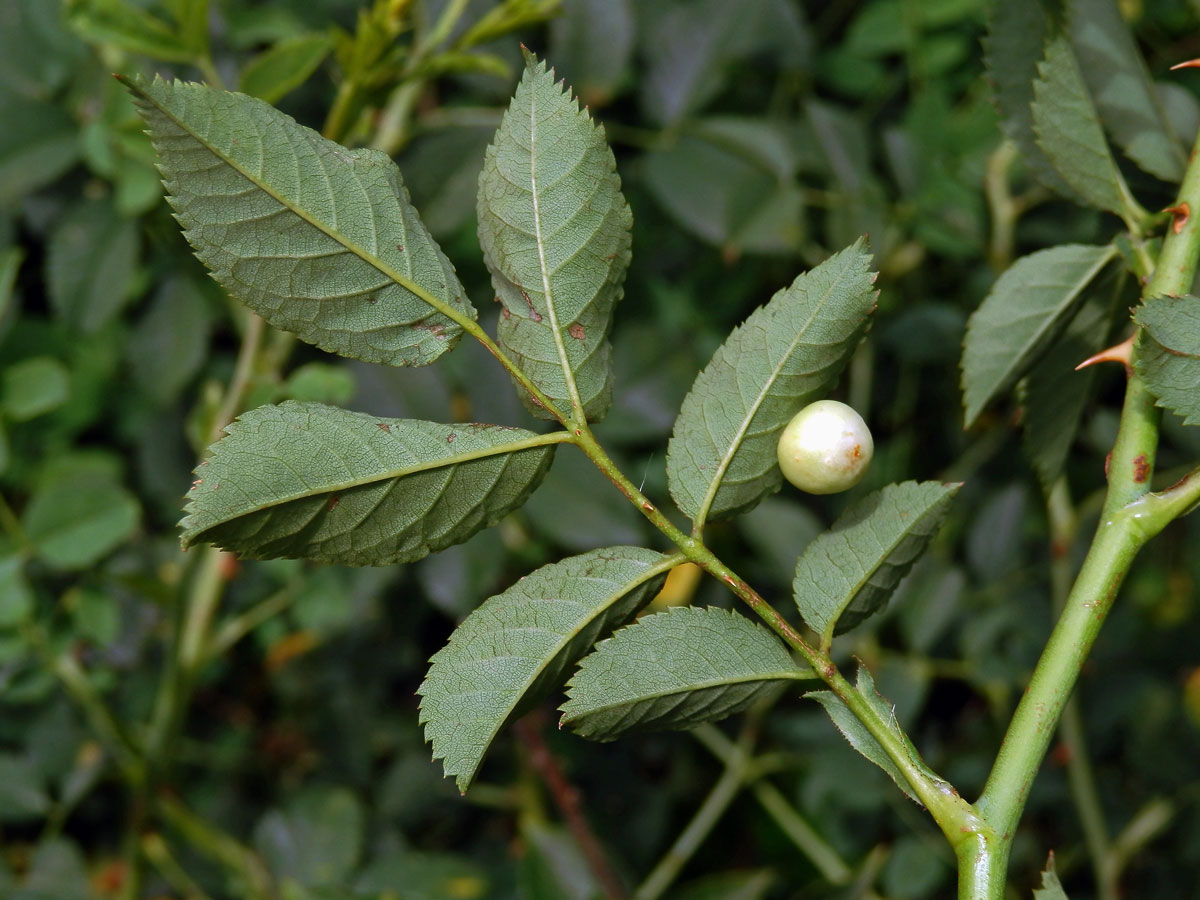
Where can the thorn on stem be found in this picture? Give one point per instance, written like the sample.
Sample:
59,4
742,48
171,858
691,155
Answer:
1187,64
1119,353
1179,216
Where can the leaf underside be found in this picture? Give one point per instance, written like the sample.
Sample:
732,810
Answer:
318,240
517,647
676,670
1168,353
318,482
1069,132
848,573
861,739
555,232
1026,309
1120,84
1055,396
1017,32
722,455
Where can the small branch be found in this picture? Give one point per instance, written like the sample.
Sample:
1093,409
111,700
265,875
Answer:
723,792
155,849
816,849
567,799
239,860
235,393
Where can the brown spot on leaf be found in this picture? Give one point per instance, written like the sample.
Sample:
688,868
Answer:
400,247
332,502
450,437
384,426
535,315
576,331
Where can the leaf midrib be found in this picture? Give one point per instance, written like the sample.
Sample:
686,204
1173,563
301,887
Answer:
541,440
362,253
539,242
796,674
859,584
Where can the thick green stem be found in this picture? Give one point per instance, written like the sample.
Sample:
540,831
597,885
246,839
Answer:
1131,516
1117,541
1063,528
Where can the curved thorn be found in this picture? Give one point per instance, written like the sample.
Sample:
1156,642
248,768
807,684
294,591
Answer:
1118,353
1179,216
1188,64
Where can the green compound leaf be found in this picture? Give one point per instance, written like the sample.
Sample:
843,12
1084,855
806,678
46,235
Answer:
676,670
1120,84
318,482
1025,310
517,647
1069,132
1168,353
318,240
722,455
860,737
849,572
1017,32
555,235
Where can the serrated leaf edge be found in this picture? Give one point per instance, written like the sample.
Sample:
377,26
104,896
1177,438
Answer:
463,779
136,86
859,246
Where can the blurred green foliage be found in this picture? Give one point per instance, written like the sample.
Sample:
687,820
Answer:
752,139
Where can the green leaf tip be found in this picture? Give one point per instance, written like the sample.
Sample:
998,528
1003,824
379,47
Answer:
517,647
848,573
722,457
556,236
306,480
676,670
317,239
1029,305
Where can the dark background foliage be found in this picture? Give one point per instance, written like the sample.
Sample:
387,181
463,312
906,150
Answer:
753,139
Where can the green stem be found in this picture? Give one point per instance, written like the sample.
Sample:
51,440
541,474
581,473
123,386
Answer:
816,849
235,393
723,792
1130,516
241,625
101,720
218,846
199,607
159,854
1082,782
345,109
1117,541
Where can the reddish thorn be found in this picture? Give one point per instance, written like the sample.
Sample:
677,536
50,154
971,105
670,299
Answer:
1119,353
1189,64
1179,216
